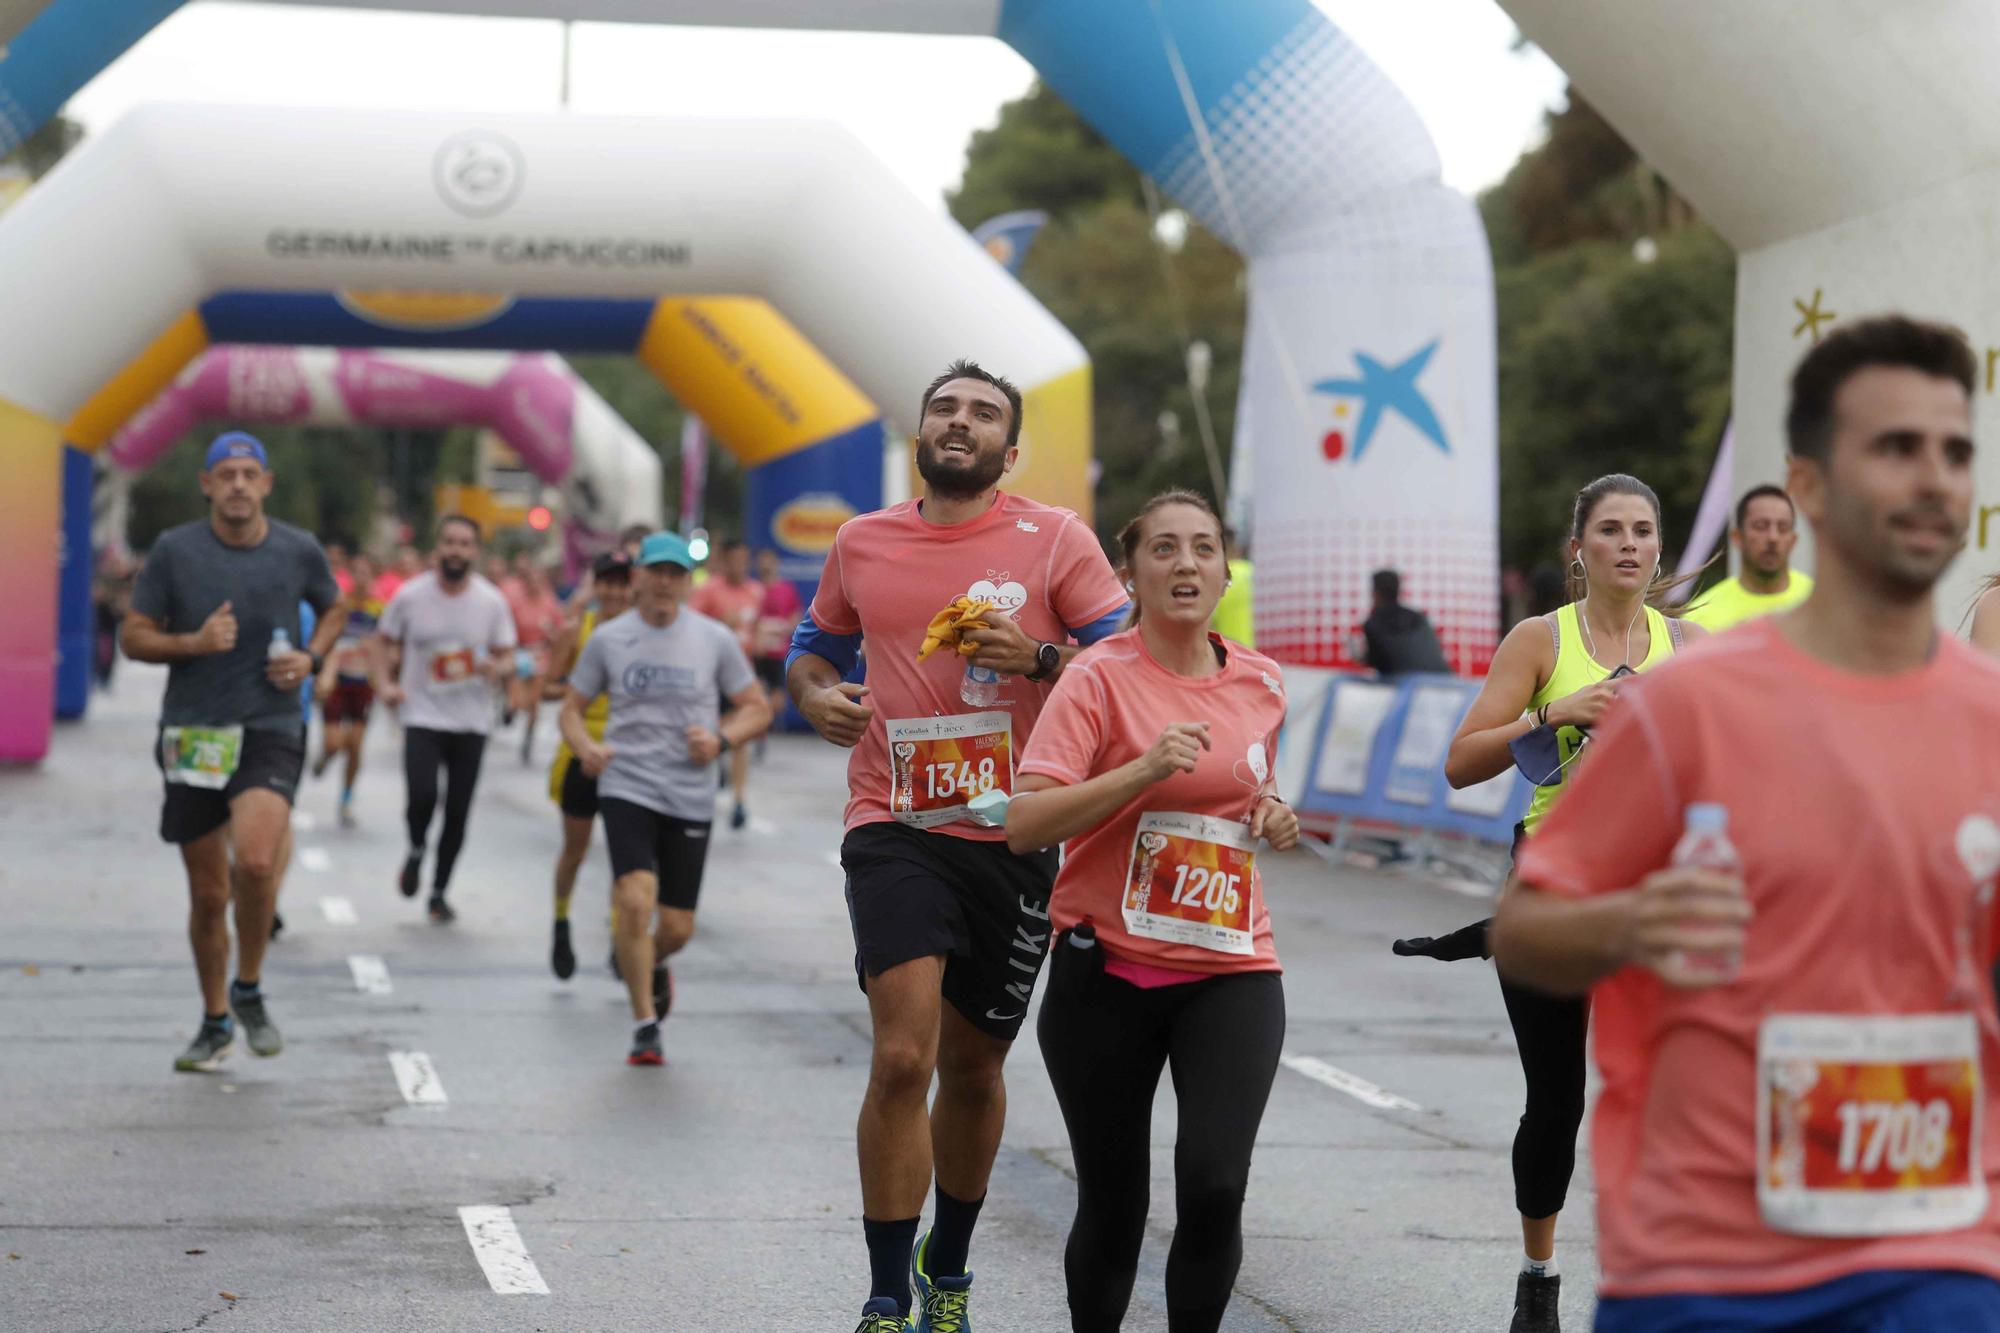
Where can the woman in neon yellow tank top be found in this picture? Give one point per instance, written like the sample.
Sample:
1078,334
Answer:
574,792
1561,671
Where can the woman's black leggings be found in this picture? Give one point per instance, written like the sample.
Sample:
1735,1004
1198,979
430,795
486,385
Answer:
1105,1041
458,753
1550,1031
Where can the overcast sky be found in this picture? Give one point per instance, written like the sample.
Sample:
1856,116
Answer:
915,100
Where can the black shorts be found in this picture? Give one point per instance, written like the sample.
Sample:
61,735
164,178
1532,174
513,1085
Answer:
675,850
579,791
770,670
917,894
271,760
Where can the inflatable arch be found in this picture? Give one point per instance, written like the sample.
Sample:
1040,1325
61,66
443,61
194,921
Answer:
1852,164
1367,399
566,435
199,221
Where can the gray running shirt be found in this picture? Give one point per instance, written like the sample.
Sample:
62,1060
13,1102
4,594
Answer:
660,681
188,574
445,636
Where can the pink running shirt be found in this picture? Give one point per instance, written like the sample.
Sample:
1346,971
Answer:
1850,800
1109,707
890,571
734,604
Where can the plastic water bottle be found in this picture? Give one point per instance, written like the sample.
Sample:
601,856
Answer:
981,686
281,643
1705,845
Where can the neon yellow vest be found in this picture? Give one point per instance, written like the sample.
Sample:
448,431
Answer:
1730,603
594,715
1575,670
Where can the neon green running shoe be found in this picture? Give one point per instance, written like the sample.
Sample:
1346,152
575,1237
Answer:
943,1303
881,1316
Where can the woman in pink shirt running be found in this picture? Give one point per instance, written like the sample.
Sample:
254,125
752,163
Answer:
1164,953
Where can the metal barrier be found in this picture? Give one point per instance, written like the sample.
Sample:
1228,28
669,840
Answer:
1376,763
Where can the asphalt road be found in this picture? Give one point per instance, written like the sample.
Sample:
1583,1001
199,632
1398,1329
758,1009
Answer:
306,1193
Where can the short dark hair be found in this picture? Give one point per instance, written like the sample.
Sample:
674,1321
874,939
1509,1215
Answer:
477,534
964,369
1759,493
1932,349
1388,584
728,544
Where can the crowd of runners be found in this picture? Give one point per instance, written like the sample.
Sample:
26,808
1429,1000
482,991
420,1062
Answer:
1756,878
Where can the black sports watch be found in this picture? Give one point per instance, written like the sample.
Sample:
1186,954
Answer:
1048,658
318,662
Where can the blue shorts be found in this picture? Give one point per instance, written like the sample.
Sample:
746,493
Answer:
1889,1301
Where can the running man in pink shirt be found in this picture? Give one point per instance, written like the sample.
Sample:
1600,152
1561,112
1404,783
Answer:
1152,767
950,927
1797,1129
734,598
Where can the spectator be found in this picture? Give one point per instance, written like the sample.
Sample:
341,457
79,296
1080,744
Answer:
1399,638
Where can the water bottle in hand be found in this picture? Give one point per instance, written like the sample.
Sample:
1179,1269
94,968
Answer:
981,686
281,643
1705,845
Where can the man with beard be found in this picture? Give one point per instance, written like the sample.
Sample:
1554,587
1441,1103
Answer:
218,602
1798,1039
447,636
1765,532
950,928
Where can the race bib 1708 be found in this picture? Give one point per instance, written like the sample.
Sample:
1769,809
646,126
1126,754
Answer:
937,764
1191,880
1869,1125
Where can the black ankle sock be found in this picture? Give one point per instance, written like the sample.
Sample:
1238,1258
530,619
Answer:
951,1235
889,1245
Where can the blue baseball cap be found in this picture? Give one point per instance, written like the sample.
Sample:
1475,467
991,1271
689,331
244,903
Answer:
665,548
236,444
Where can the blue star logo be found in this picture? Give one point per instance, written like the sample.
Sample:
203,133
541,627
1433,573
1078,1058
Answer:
1385,388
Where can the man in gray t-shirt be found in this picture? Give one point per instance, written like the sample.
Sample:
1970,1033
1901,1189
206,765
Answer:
210,603
664,668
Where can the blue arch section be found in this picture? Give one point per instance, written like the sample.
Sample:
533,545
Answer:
527,324
63,49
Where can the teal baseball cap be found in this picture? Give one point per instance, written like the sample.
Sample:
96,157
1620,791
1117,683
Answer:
665,548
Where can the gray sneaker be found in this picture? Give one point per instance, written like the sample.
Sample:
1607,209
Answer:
204,1054
258,1029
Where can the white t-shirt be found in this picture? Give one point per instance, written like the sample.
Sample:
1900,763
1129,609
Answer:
444,637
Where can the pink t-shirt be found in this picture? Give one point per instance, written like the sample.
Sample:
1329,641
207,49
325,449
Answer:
777,617
1160,891
1850,801
889,572
735,605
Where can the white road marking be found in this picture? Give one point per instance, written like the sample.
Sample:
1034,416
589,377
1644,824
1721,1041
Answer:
762,827
303,822
496,1243
315,859
417,1078
371,974
1319,1071
338,911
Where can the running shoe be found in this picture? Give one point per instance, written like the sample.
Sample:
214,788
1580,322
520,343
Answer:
562,958
413,869
441,913
881,1316
204,1054
277,925
1537,1305
259,1032
943,1303
1465,942
319,764
663,992
646,1047
740,817
347,819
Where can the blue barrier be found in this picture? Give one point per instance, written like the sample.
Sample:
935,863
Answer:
1378,757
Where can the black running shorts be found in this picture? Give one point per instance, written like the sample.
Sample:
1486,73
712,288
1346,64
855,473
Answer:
918,894
271,760
770,670
674,850
579,790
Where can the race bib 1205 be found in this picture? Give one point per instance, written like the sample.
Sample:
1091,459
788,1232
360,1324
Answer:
1191,880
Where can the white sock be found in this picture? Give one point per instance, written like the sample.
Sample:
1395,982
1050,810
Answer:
641,1024
1541,1267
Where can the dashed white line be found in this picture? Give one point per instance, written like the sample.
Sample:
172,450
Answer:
338,911
417,1078
371,974
1355,1086
496,1243
315,859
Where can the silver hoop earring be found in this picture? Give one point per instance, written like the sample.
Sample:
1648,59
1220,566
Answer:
1577,570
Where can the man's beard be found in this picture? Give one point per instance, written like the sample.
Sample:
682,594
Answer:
951,483
453,570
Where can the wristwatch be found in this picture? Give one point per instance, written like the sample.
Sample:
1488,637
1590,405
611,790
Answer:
318,662
1048,657
722,745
